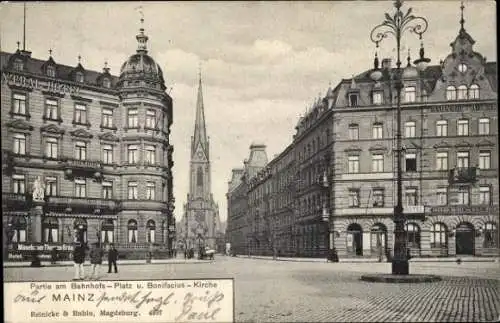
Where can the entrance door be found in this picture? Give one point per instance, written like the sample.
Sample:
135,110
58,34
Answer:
464,238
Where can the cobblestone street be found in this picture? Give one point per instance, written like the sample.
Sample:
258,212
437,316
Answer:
279,291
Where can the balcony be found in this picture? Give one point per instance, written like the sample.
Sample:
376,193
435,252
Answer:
77,167
83,204
413,209
463,175
14,201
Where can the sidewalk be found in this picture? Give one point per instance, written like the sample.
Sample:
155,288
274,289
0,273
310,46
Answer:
16,264
373,260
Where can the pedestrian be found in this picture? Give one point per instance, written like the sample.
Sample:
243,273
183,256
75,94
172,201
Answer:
53,255
112,258
185,253
96,255
79,259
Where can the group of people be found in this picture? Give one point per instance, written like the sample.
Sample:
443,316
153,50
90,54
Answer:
96,254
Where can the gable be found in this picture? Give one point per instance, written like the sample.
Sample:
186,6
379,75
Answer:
19,124
51,128
81,133
108,136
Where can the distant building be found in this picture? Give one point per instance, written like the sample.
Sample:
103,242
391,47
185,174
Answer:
99,144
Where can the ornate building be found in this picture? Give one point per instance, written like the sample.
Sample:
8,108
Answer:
201,222
99,144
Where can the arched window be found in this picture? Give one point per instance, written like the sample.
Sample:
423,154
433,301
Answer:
451,93
80,228
490,235
354,241
410,94
50,229
79,77
132,231
439,236
462,92
17,230
199,176
413,235
18,65
474,91
106,83
107,231
151,227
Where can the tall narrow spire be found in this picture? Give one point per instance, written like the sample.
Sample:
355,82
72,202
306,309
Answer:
200,133
462,20
24,27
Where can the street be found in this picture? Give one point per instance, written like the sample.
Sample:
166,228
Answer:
285,291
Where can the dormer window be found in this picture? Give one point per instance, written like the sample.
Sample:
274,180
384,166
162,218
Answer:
451,93
377,98
106,83
462,92
18,65
79,77
474,91
51,71
462,68
410,94
353,100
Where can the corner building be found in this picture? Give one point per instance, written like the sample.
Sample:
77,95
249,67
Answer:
100,145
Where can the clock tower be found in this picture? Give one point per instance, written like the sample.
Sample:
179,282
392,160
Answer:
200,224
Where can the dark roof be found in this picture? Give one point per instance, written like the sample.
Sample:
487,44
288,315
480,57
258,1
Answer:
64,72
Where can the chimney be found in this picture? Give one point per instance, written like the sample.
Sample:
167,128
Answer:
386,63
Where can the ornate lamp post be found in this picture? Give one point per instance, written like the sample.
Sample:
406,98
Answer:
396,25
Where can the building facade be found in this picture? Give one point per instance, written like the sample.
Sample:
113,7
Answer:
342,166
98,143
201,222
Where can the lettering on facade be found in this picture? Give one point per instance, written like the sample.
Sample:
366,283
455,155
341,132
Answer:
36,84
44,247
462,108
455,210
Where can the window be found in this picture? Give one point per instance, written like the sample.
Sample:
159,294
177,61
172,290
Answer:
80,227
18,226
377,131
463,127
107,118
439,236
51,186
19,103
107,154
79,77
378,197
18,65
462,159
107,189
133,121
51,71
484,194
150,119
80,187
410,128
410,94
18,184
353,164
51,145
106,83
377,98
413,236
50,229
353,100
150,151
411,196
132,231
353,132
377,163
442,196
462,68
132,190
80,113
462,196
51,109
353,198
490,235
107,230
150,191
81,150
199,176
442,128
484,126
474,91
462,92
411,162
451,93
442,160
151,227
484,159
19,144
132,154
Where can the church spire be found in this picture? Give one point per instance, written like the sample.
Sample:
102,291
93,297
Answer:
200,133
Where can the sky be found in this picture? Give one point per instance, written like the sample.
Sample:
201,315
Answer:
262,63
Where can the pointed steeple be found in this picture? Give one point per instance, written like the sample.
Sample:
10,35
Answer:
200,133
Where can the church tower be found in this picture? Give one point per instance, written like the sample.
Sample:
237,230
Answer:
201,223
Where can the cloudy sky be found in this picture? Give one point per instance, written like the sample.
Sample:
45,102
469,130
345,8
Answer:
263,63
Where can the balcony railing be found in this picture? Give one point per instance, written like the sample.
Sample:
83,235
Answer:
84,202
79,163
13,197
463,175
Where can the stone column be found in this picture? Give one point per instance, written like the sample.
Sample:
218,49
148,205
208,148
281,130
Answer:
36,223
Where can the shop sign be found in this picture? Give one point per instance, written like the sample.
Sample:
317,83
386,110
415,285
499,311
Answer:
38,84
462,108
42,247
464,209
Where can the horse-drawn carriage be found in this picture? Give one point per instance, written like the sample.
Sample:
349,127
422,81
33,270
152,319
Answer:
206,253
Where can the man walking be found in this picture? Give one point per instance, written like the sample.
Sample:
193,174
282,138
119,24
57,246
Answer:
112,257
96,255
79,259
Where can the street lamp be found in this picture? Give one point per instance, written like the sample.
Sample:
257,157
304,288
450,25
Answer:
396,25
